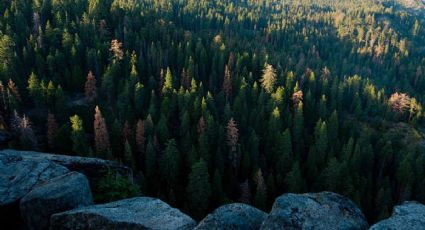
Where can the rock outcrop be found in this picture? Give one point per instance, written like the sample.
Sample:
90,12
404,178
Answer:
135,213
60,194
233,216
47,191
407,216
92,168
324,210
18,176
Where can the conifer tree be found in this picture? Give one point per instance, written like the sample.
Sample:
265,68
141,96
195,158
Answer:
294,180
150,160
90,89
298,129
34,89
170,164
245,192
7,46
14,90
140,136
268,79
27,138
199,189
261,191
227,83
52,128
116,49
128,155
232,134
126,132
78,136
232,141
285,158
218,195
168,84
101,135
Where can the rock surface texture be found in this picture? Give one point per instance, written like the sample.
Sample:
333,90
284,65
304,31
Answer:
135,213
93,168
60,194
233,216
18,176
407,216
324,210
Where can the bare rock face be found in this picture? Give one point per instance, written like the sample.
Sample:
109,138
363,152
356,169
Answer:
92,168
60,194
408,216
18,176
233,216
134,213
317,211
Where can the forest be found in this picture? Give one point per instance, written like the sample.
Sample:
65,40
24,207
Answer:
212,102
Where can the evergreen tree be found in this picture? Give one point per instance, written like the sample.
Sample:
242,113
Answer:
168,84
34,89
298,128
218,195
128,155
14,90
101,134
52,128
260,199
27,138
150,160
140,136
246,195
90,89
171,164
232,141
199,189
227,83
7,47
78,136
268,79
295,180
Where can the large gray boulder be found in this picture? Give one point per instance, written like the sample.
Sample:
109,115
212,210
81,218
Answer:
134,213
233,216
60,194
317,211
92,168
18,176
408,216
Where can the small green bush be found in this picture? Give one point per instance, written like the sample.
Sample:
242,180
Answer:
114,187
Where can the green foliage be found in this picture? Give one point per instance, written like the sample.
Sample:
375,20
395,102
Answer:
199,189
170,164
78,136
324,95
114,187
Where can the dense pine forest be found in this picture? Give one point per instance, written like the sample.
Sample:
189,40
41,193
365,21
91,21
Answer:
223,101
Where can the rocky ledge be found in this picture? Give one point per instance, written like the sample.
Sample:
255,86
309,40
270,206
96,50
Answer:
46,191
408,216
233,216
324,210
93,168
134,213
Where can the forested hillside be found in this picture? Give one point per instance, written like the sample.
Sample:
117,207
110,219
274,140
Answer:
222,101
